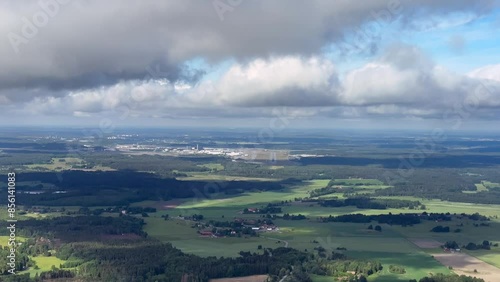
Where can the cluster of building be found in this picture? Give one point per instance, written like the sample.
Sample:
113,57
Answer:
255,225
266,228
182,150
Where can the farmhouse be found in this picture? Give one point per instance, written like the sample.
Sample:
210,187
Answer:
206,233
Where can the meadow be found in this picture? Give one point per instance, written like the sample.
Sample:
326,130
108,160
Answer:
44,264
256,198
391,246
181,235
4,240
68,163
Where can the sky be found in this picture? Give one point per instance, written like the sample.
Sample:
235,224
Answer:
307,63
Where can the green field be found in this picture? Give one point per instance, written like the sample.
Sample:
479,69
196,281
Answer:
44,264
480,187
490,256
182,236
490,185
390,246
276,167
417,265
364,186
4,240
357,181
60,164
213,166
256,198
217,177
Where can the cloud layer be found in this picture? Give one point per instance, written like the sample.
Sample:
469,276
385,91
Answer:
81,58
391,85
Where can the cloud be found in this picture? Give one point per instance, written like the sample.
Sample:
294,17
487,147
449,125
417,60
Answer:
491,72
69,45
401,83
284,81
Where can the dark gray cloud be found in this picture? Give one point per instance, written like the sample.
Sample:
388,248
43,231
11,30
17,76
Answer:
66,44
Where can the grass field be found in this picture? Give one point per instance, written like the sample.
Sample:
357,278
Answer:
60,164
276,167
480,187
44,264
391,246
30,183
439,206
182,236
255,198
417,265
490,185
217,177
213,166
254,278
366,186
388,246
4,240
357,181
490,256
486,186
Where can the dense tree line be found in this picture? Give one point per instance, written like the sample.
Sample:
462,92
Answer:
440,229
79,228
22,261
403,219
392,219
120,188
485,245
448,278
397,269
368,203
328,267
437,183
150,261
265,210
144,259
288,216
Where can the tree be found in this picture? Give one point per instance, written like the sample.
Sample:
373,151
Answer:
451,245
378,228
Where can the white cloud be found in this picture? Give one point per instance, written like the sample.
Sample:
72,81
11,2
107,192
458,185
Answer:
394,85
285,81
491,72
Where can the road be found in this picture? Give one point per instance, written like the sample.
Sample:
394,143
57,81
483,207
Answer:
275,239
